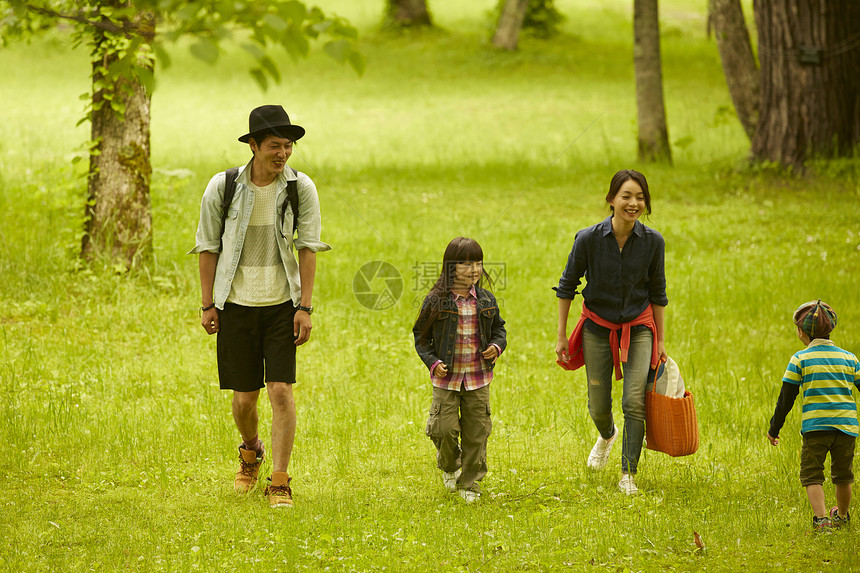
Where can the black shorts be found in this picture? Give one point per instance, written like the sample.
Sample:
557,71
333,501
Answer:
256,343
814,452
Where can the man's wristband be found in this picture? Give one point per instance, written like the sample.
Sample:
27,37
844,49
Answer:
307,309
205,308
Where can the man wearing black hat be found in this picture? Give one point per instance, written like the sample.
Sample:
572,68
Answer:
256,295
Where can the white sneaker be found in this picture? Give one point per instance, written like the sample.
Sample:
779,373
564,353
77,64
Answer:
450,480
600,452
627,485
469,495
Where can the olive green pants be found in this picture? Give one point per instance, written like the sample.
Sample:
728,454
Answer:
459,425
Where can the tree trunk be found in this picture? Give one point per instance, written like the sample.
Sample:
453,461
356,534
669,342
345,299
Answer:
653,133
810,79
118,215
407,13
510,23
736,55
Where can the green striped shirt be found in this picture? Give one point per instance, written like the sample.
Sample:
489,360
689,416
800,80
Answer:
827,376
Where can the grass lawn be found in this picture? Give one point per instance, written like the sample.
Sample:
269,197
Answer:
122,448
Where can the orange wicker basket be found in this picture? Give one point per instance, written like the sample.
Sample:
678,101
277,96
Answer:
671,426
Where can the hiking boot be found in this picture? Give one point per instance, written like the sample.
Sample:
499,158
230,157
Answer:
469,495
600,452
249,467
278,490
838,521
821,524
450,480
627,485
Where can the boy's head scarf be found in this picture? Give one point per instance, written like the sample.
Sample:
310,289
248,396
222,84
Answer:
815,318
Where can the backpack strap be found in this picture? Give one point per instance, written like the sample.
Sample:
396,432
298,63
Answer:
293,197
229,192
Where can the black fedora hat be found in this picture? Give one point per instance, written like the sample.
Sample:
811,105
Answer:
272,118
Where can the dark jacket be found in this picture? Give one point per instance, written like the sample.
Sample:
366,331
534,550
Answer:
443,335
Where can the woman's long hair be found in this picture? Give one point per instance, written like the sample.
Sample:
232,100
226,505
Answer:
459,250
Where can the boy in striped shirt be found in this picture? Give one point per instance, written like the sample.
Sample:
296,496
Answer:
827,375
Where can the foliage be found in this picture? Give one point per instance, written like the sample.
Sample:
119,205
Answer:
125,37
256,26
542,19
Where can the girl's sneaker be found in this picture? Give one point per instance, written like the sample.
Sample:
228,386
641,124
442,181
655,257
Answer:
627,485
469,495
450,480
839,521
821,524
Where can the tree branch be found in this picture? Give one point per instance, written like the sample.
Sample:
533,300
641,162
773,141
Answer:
128,29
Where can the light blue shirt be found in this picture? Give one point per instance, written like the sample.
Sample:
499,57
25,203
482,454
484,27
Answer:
209,237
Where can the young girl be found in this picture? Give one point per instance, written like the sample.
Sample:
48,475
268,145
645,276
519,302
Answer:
459,334
622,261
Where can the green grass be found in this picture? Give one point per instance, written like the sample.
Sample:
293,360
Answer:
120,447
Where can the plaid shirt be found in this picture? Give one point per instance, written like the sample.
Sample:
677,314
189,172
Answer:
469,368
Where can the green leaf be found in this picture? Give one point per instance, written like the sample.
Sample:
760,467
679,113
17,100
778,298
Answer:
295,42
206,50
322,27
260,78
162,55
295,11
255,50
357,62
147,78
270,66
221,32
344,30
311,33
339,50
275,22
187,13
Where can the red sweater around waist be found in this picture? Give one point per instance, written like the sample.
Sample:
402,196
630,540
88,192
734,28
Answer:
620,348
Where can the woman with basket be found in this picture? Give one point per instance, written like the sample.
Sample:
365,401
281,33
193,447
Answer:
622,317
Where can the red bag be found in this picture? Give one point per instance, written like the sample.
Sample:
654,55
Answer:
671,426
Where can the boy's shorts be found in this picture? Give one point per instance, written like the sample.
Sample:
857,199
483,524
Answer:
256,344
814,453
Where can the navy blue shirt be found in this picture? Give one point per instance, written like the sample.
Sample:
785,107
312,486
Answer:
619,284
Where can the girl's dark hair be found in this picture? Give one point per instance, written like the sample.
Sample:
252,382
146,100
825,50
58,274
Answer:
459,250
625,175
